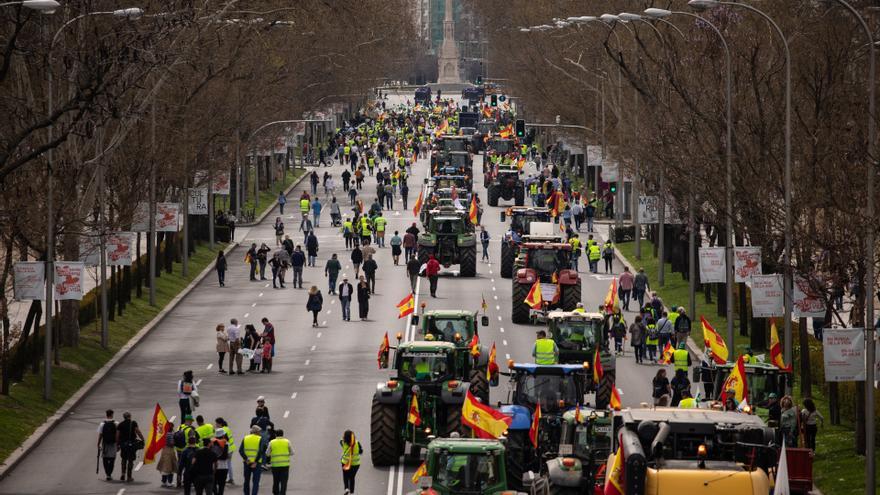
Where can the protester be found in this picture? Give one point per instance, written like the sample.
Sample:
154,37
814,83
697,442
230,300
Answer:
432,271
625,282
220,265
167,464
661,389
315,304
107,444
186,391
637,335
331,270
363,298
810,419
345,294
370,267
129,439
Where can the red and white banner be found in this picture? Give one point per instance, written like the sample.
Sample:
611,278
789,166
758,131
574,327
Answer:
713,266
90,248
29,279
140,218
69,280
220,183
805,302
167,216
119,247
746,262
844,354
767,298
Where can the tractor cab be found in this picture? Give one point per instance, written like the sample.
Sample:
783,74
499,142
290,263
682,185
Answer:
545,259
465,466
425,362
576,334
584,446
763,379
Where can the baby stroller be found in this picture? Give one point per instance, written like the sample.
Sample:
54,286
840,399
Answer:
335,220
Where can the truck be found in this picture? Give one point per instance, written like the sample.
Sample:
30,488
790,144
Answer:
449,236
505,182
468,119
584,446
429,372
548,264
465,466
673,451
522,219
579,336
459,326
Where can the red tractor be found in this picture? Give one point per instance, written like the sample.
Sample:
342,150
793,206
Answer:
550,265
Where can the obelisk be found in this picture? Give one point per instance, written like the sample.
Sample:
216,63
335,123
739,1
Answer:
448,60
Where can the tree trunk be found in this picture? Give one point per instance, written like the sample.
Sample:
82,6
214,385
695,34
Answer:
758,340
707,292
834,403
26,348
743,311
111,292
804,353
139,272
170,250
68,327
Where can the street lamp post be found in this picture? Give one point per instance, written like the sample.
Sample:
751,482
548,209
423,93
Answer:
44,6
728,160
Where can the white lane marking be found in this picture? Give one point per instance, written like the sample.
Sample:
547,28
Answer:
324,323
507,356
400,481
496,297
261,294
210,366
293,395
328,311
286,414
308,361
246,315
139,466
391,480
267,285
499,318
198,382
254,305
319,335
121,491
332,301
497,308
490,272
502,329
301,377
172,419
313,348
493,288
504,341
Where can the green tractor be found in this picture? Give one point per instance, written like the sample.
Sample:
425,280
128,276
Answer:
427,371
459,466
450,237
583,450
763,379
504,181
459,327
578,335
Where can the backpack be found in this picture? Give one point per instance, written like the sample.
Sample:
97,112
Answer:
179,438
186,388
108,431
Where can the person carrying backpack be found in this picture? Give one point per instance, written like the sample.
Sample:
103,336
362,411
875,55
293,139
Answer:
608,256
187,391
107,444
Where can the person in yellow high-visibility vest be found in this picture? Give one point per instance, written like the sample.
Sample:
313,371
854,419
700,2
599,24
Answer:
252,451
279,453
681,359
351,459
594,254
221,424
545,350
687,402
205,430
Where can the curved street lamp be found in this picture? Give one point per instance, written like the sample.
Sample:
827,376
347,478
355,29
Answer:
44,6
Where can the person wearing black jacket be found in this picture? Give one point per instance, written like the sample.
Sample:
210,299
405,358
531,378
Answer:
357,257
363,297
252,260
127,434
220,265
297,260
312,248
315,304
262,258
345,292
370,267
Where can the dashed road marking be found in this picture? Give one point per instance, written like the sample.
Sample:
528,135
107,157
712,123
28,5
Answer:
267,285
301,377
254,305
493,280
139,466
499,318
502,329
490,272
308,361
286,414
210,366
319,335
121,491
496,297
507,356
493,288
313,348
172,419
246,315
198,382
261,294
504,341
293,395
333,301
324,323
497,308
328,311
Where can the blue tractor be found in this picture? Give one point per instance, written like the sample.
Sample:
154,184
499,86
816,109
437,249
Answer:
558,389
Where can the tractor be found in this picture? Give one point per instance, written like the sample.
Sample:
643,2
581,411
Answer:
584,447
452,163
459,466
549,265
459,327
425,370
578,336
521,220
460,182
763,379
449,236
557,388
673,451
505,182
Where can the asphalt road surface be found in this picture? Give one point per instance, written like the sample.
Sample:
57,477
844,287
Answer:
323,378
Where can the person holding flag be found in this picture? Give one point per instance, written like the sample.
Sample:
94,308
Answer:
715,343
472,210
384,347
735,386
492,366
351,459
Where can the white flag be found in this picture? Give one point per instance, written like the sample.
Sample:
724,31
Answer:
781,487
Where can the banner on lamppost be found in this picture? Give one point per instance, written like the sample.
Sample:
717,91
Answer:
844,354
90,248
805,302
649,211
118,248
594,156
713,266
610,170
198,201
767,296
29,279
167,217
140,218
69,280
746,263
220,183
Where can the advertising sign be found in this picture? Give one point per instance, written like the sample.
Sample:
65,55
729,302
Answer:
119,246
69,280
198,201
805,302
713,268
649,211
28,280
167,217
767,296
746,262
220,183
844,354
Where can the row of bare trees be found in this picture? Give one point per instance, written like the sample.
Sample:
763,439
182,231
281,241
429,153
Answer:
666,112
171,93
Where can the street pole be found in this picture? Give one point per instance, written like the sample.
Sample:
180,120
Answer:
692,255
661,235
151,248
211,209
50,246
637,228
186,191
239,191
102,227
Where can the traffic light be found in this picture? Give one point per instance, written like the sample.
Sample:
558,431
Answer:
613,187
520,128
479,80
493,101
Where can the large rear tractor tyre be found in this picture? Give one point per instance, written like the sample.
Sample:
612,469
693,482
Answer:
424,254
518,453
603,391
565,490
453,420
492,195
519,196
385,442
507,258
468,262
479,384
571,296
519,310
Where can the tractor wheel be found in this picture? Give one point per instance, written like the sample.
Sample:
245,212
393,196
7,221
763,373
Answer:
571,296
519,310
453,420
424,253
468,262
603,391
385,442
479,384
507,256
519,451
492,195
519,196
565,490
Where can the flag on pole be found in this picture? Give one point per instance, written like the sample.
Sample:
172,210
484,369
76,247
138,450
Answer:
615,402
668,351
421,471
715,343
611,296
484,305
533,431
475,345
483,420
506,132
472,211
781,482
414,418
577,415
156,438
406,306
534,298
383,352
736,382
775,348
492,366
418,205
615,482
598,372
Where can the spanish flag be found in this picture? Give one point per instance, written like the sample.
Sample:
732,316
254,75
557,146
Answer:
413,417
520,163
736,383
611,296
615,482
598,372
492,366
615,402
533,431
156,438
715,343
483,420
534,298
472,211
475,345
421,471
668,351
487,112
406,306
383,352
577,415
776,349
418,205
506,131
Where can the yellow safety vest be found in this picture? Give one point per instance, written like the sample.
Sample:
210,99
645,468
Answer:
655,340
595,253
304,205
575,244
673,315
544,352
578,310
346,150
688,403
347,453
280,456
229,437
380,224
251,445
205,431
680,359
347,225
533,189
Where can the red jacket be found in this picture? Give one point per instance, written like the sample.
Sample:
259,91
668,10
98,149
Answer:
433,267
